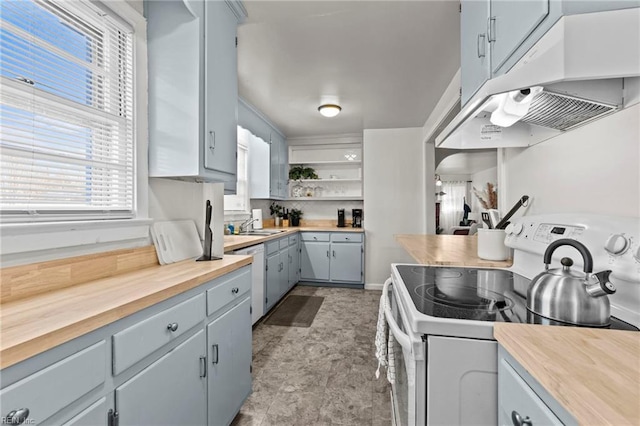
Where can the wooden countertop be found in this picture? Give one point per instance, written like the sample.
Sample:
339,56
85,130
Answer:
236,242
34,324
594,374
447,250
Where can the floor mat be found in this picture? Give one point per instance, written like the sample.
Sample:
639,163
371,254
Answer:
296,311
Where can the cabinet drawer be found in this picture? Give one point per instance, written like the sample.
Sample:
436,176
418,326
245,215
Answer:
140,340
272,247
293,240
49,390
314,236
516,398
346,237
284,243
229,290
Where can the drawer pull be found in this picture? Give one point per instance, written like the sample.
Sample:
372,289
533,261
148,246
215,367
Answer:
203,367
235,290
517,419
17,417
172,326
214,354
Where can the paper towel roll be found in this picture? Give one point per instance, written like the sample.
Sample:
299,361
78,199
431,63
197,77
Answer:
257,215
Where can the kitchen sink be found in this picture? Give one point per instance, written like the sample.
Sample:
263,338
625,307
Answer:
263,232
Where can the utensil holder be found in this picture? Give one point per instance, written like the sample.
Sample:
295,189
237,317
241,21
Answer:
491,244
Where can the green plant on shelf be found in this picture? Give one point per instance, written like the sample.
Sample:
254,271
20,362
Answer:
276,210
302,172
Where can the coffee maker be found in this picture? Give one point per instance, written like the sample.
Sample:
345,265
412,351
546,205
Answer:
356,215
341,218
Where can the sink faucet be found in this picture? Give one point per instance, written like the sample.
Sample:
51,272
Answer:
245,225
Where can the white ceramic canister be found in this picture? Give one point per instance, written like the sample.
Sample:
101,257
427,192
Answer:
491,244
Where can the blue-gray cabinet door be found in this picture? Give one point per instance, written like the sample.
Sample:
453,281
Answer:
294,264
161,393
273,280
346,262
221,90
510,24
474,60
284,271
229,362
314,260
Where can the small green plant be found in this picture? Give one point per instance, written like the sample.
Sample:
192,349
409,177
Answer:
276,209
301,172
295,213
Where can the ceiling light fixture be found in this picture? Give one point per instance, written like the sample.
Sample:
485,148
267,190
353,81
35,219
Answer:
438,181
329,110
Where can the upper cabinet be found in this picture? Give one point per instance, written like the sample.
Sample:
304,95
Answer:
474,60
267,154
193,89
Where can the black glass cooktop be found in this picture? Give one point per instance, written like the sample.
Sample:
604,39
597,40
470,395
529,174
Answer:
474,294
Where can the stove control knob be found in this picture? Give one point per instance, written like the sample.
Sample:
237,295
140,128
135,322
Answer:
616,244
514,229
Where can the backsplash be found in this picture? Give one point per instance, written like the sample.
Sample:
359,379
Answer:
312,210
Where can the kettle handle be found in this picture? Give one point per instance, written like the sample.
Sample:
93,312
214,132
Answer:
586,255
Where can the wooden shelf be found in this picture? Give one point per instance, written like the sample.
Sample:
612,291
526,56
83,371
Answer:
345,198
325,162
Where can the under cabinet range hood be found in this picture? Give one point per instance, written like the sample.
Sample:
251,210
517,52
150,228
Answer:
574,74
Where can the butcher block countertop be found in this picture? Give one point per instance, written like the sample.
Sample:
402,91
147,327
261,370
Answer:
447,250
594,374
236,242
43,307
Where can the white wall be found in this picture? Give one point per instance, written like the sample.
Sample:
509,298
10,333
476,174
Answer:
394,196
592,169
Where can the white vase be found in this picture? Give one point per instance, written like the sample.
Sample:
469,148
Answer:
278,221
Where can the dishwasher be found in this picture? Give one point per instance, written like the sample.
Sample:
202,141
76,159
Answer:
257,280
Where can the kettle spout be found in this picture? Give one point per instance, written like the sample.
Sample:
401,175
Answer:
602,286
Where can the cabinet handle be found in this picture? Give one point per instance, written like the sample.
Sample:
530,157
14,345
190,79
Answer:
481,49
203,367
491,28
334,253
517,419
212,140
328,253
290,259
214,354
172,326
16,417
235,290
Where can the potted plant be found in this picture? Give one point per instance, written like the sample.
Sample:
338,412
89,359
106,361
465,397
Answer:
294,217
276,210
301,172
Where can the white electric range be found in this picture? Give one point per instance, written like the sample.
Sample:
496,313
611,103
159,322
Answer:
441,318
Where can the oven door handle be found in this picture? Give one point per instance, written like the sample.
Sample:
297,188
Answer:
402,338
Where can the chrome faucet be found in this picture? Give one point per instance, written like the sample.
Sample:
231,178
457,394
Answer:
245,225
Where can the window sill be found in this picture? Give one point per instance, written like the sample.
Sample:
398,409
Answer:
235,215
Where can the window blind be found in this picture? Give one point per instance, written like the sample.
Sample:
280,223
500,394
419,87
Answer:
66,111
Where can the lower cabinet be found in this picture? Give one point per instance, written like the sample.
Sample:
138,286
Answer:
229,381
283,266
183,361
332,257
170,391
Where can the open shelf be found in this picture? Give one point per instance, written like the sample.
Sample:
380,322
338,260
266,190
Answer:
327,180
345,198
310,163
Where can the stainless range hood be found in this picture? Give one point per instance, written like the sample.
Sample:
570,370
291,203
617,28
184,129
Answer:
573,75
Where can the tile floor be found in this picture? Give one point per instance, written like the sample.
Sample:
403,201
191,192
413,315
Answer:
323,374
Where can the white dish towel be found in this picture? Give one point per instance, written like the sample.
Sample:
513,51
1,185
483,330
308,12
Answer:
384,343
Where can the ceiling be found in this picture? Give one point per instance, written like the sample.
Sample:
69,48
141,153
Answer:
385,62
468,162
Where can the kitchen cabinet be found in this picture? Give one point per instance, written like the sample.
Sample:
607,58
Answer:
496,34
267,154
332,257
521,399
193,90
157,366
229,376
282,262
152,397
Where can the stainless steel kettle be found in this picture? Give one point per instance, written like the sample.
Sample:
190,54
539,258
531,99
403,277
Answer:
570,296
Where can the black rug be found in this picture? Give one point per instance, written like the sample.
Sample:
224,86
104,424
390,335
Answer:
296,311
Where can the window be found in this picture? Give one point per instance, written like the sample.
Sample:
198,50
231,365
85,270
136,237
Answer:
66,112
239,203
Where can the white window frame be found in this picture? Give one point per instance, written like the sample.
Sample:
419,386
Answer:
81,236
243,144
